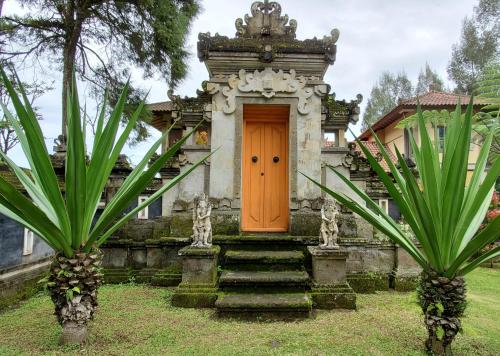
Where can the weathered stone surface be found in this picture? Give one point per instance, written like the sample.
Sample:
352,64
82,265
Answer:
139,258
339,296
201,296
264,257
199,265
304,224
269,278
181,225
328,266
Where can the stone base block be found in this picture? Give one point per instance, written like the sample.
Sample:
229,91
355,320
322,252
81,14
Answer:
340,296
361,283
194,296
117,275
367,283
166,279
404,283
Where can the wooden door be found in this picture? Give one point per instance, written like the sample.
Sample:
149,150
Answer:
265,168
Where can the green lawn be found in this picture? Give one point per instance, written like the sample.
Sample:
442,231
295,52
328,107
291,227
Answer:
136,319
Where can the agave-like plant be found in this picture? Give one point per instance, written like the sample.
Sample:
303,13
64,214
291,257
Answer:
65,220
444,214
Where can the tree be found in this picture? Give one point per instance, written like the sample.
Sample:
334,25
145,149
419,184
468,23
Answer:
444,215
428,80
385,95
8,137
488,119
100,40
66,221
478,45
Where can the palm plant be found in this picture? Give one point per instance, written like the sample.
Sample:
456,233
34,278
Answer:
67,222
444,215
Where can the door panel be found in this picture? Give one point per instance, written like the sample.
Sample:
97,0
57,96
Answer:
265,168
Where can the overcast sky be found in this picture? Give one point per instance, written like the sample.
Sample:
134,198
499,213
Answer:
375,36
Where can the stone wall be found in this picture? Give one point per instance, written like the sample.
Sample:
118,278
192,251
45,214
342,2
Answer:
21,281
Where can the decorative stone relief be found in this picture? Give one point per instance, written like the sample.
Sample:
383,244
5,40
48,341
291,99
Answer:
329,228
267,83
202,227
266,20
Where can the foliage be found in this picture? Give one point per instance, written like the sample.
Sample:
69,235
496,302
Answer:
66,222
385,95
101,40
477,47
443,213
8,137
488,119
428,80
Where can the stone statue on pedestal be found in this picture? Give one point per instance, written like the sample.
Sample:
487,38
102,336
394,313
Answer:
202,227
329,229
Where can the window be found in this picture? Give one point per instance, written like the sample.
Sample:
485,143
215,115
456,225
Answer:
28,242
441,131
330,138
407,142
144,213
384,204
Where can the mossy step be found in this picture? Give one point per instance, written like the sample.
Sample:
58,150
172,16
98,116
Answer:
264,302
264,257
229,278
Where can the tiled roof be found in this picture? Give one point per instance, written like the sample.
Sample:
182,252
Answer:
374,150
161,106
436,98
428,101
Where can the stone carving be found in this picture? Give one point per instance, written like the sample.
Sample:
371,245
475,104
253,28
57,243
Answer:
329,43
268,82
329,229
202,227
266,20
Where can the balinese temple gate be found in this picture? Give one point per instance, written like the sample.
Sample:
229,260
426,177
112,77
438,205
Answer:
246,226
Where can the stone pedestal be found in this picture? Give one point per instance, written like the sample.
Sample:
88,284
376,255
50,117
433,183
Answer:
330,289
198,288
407,271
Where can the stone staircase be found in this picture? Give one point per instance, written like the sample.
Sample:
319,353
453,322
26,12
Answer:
259,283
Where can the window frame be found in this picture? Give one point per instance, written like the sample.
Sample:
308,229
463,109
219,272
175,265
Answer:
144,213
28,242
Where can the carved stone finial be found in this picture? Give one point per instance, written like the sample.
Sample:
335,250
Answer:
266,20
202,227
329,229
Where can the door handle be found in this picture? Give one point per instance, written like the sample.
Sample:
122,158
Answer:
255,159
276,159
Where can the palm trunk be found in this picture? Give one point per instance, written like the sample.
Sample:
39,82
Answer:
443,303
72,285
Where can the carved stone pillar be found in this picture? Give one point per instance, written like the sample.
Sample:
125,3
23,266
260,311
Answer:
198,288
330,289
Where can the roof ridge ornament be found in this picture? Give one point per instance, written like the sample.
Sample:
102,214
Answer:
266,20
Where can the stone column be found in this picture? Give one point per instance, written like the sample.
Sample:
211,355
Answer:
198,288
330,289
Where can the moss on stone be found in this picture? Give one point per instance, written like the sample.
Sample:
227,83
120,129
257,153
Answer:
406,284
304,224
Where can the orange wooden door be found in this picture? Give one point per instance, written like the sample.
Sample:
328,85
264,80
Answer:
265,168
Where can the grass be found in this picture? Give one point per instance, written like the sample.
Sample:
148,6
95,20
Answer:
138,320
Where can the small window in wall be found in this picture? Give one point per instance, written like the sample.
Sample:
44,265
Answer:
384,204
28,242
441,130
144,213
330,138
